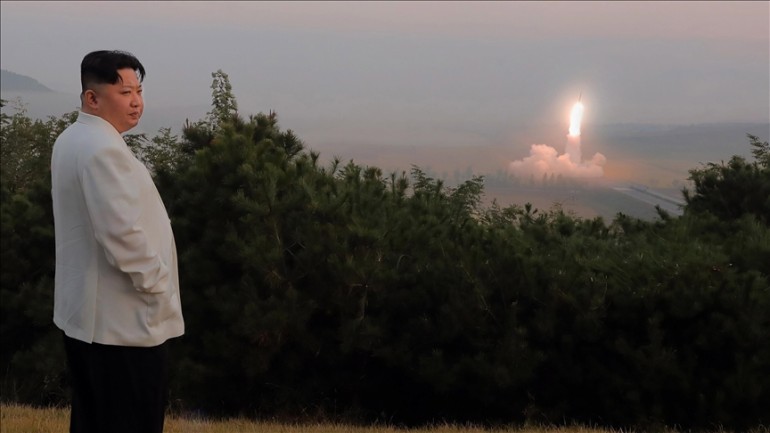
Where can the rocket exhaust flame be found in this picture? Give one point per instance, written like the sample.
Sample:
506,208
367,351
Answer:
575,118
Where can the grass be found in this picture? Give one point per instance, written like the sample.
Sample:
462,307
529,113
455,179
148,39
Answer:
25,419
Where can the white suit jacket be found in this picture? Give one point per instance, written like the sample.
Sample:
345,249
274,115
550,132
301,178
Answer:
116,278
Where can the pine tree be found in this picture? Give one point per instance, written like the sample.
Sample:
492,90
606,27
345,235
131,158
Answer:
224,105
738,187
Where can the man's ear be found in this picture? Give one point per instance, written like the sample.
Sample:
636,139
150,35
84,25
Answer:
89,99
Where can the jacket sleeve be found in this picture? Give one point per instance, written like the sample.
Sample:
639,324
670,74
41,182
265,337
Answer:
111,186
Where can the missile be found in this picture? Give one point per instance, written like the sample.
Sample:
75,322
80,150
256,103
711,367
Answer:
581,96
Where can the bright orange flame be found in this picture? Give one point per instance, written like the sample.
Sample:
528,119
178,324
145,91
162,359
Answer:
575,118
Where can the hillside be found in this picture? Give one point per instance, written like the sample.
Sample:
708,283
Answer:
13,82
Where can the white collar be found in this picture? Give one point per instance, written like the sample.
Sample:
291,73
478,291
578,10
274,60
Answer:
91,120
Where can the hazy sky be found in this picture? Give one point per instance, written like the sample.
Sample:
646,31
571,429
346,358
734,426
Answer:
426,67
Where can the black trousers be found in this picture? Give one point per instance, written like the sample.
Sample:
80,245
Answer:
117,389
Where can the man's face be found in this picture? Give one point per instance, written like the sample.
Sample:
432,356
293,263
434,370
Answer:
121,103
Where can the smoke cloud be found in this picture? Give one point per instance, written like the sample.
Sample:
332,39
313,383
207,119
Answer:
544,159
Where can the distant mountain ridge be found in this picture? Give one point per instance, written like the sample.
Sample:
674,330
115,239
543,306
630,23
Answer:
13,82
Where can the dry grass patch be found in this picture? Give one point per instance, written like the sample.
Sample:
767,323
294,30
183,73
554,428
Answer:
25,419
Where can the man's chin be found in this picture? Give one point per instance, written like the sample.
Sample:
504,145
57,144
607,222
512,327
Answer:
129,128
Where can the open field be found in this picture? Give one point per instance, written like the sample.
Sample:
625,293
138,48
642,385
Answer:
24,419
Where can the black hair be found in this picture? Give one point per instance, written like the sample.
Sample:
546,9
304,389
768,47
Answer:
101,67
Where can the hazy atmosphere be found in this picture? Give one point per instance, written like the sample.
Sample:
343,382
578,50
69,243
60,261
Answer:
396,216
446,85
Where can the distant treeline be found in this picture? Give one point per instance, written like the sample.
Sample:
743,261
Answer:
339,292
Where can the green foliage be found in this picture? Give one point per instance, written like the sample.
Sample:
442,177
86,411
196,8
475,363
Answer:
32,366
224,106
25,146
761,150
161,154
734,189
337,291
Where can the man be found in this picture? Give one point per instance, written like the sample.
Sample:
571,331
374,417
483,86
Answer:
116,295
